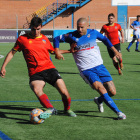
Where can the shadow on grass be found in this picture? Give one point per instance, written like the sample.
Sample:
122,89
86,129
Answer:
134,71
131,64
84,113
11,110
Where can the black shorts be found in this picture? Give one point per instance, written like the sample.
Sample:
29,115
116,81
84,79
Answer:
50,76
111,53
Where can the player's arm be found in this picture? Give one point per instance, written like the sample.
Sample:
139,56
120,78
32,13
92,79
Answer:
56,42
122,35
102,30
109,45
6,61
132,26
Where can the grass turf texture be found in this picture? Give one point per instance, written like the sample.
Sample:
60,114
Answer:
89,123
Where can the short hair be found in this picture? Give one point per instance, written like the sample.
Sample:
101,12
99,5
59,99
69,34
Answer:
138,16
111,14
35,22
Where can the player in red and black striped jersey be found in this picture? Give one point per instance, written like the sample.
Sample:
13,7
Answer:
111,32
36,47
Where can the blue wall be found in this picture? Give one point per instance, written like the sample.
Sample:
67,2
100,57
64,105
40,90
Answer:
122,10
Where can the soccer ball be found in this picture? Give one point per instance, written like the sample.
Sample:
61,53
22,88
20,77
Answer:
34,116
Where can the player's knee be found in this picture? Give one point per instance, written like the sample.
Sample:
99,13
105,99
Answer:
38,91
112,93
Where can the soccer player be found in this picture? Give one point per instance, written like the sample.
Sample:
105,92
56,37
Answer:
111,32
36,47
88,59
136,28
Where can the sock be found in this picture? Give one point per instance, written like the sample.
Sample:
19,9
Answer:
67,103
116,65
44,101
130,44
137,45
100,99
110,103
120,61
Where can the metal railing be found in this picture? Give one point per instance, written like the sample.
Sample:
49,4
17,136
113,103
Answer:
48,10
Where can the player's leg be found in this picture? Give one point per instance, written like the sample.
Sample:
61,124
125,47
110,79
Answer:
37,88
114,60
118,47
137,44
110,87
66,99
37,83
116,65
96,77
107,99
130,44
52,77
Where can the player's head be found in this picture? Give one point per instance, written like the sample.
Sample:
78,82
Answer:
111,18
82,26
138,17
36,25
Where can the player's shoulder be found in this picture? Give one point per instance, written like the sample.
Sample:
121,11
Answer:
43,36
23,37
116,24
105,26
73,33
134,22
92,31
89,31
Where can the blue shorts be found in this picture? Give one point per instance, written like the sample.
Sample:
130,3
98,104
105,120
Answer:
99,73
136,36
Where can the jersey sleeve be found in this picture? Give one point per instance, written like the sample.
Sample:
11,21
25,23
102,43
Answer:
102,30
104,39
63,38
17,46
132,24
119,27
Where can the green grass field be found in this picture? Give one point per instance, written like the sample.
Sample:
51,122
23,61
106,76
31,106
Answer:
17,100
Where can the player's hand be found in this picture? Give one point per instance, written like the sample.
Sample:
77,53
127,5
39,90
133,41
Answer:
2,73
59,56
118,55
122,40
72,49
135,29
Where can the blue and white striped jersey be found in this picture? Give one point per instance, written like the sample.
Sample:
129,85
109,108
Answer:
88,52
136,25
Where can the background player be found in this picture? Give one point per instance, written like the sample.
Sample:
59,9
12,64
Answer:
36,47
111,32
136,28
89,62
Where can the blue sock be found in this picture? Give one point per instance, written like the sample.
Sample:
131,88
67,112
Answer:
130,44
137,45
110,103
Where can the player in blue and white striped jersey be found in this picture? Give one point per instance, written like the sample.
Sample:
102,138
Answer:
88,59
136,29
